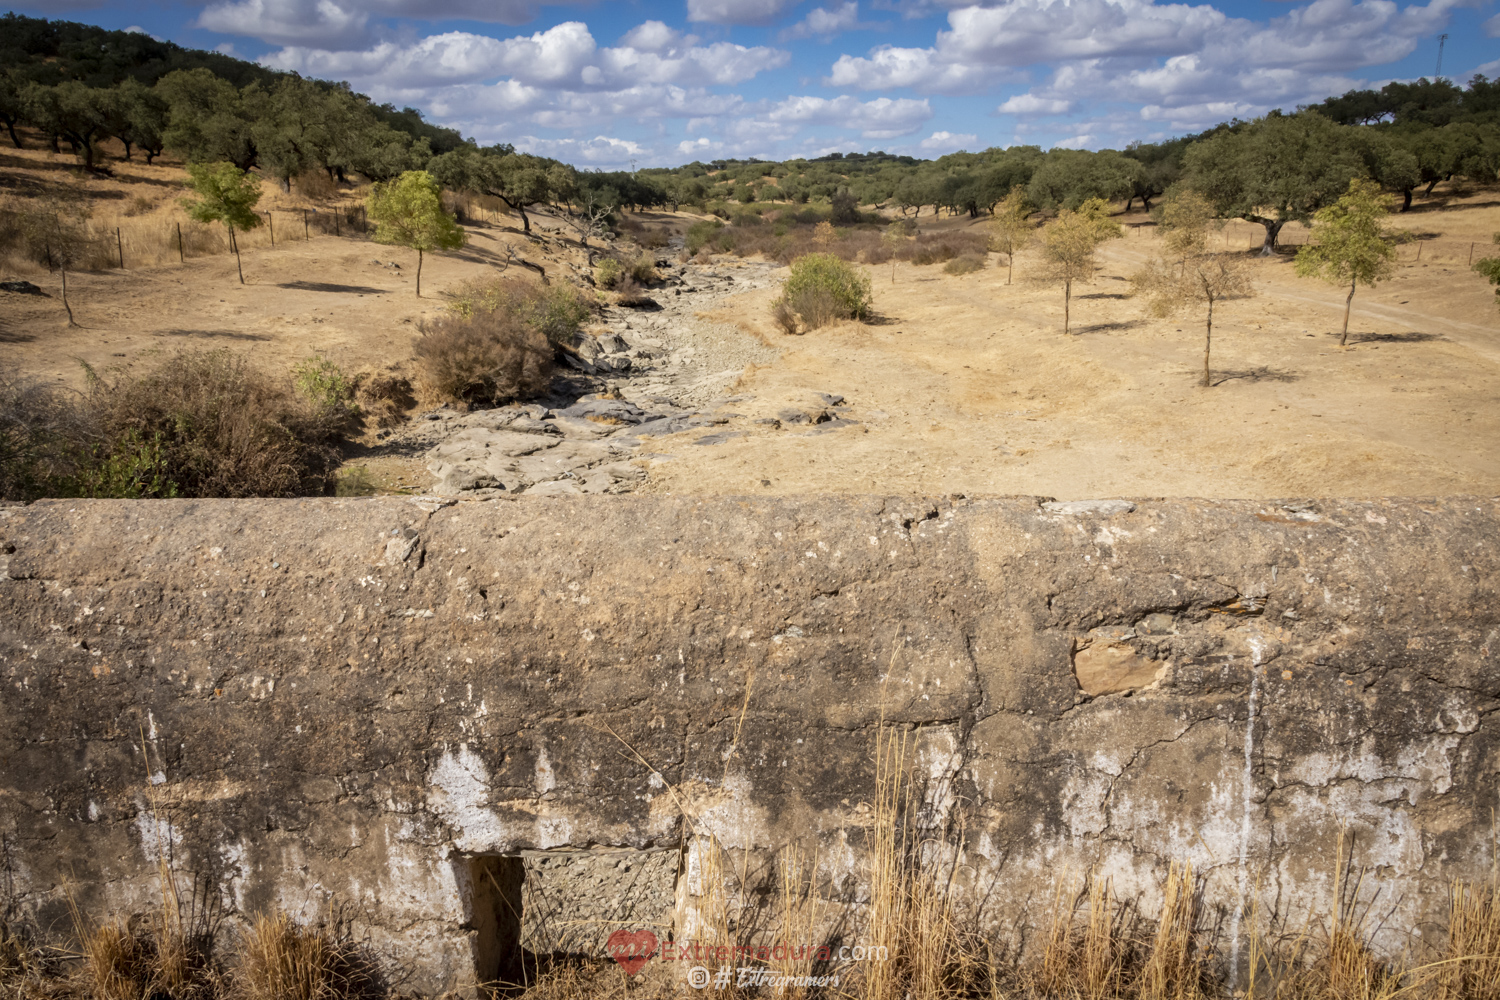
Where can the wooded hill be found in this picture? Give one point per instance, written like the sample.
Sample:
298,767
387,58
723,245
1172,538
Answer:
80,84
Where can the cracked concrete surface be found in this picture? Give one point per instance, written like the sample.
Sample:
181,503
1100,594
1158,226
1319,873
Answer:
361,700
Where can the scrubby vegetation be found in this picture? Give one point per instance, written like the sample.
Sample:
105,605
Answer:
197,424
821,289
82,85
496,341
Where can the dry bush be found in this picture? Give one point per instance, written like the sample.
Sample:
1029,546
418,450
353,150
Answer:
386,397
933,253
785,316
42,430
653,239
486,358
630,292
967,264
204,424
280,960
818,307
315,185
139,205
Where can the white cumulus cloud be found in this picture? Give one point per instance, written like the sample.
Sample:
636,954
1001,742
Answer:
737,11
948,142
823,22
564,55
1030,104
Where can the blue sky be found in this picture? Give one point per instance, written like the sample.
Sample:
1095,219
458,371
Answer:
611,84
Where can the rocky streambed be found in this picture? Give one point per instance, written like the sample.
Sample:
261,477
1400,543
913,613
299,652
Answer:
651,371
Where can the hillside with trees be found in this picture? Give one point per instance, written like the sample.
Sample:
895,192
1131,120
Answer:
81,85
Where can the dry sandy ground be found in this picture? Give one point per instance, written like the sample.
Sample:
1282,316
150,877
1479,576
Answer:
961,384
967,385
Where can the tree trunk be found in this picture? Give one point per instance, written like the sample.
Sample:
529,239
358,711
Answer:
1406,199
1146,202
1432,185
235,244
65,297
10,126
1273,230
419,272
1128,202
520,210
1010,266
151,156
55,148
126,144
1348,300
1208,343
1067,303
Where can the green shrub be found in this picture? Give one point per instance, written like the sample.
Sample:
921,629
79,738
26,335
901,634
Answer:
607,272
328,389
823,288
356,481
699,234
643,269
967,264
556,311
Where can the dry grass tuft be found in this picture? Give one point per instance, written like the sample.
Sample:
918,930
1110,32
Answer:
1471,967
116,964
280,960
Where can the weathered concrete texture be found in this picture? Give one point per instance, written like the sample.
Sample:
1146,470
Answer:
373,700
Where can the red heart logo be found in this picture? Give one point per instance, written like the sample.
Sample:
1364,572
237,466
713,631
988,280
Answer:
632,949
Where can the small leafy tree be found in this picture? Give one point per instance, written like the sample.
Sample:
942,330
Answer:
226,194
1186,272
1011,229
1350,244
1070,244
408,212
1490,268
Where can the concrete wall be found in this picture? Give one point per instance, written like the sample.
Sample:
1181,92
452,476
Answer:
384,703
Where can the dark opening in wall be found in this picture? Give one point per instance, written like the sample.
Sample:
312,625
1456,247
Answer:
496,918
550,904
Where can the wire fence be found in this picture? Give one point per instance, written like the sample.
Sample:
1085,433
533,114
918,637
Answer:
165,238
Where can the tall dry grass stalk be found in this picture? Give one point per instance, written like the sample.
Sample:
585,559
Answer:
1351,971
887,856
1174,967
1471,966
802,913
911,919
280,960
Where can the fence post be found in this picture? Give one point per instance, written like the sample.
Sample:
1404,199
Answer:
1419,249
1471,254
271,224
337,231
120,247
304,225
181,257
